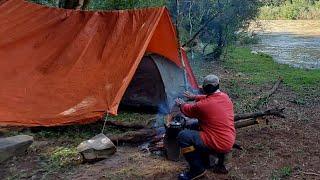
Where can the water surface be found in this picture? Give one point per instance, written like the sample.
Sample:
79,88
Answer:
296,43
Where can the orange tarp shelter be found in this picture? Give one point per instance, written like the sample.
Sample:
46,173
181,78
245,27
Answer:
60,67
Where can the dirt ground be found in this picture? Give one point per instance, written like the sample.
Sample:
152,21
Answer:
286,148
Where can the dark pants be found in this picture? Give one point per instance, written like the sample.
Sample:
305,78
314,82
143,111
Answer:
194,150
191,137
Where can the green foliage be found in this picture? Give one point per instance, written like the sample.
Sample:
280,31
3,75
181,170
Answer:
281,173
261,69
51,3
123,4
227,17
107,4
298,9
244,39
63,157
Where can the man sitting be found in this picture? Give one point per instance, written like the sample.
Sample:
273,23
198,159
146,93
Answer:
216,132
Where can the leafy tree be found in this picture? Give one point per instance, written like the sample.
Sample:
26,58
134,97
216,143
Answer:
222,19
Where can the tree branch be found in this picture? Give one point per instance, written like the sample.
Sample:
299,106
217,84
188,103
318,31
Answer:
199,31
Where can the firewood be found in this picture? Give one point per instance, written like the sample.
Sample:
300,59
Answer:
245,123
274,111
125,125
141,135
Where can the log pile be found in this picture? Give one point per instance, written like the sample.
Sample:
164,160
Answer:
141,133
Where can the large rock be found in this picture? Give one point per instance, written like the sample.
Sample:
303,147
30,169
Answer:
13,146
98,147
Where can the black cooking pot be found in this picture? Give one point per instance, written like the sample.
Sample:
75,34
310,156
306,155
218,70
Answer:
177,124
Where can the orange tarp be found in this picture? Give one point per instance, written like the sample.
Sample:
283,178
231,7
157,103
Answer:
61,67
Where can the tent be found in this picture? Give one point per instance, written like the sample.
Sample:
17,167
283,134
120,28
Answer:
60,67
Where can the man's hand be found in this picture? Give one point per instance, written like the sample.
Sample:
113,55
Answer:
189,95
180,102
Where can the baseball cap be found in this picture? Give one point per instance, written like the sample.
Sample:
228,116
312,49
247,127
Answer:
211,79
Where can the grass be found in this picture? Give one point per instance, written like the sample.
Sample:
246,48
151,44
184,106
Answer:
62,157
282,173
260,69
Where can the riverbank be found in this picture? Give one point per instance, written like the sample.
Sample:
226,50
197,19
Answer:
293,42
284,148
260,69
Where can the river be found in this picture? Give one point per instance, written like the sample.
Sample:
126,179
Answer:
293,42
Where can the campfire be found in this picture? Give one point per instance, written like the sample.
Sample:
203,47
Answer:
161,140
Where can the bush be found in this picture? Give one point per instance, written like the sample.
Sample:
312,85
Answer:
299,9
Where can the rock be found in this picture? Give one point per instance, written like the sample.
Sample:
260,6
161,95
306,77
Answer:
254,52
13,146
240,74
98,147
3,131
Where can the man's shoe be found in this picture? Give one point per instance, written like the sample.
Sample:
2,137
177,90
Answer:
191,175
219,169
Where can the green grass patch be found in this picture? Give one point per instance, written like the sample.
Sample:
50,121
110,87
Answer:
84,131
63,157
281,173
261,69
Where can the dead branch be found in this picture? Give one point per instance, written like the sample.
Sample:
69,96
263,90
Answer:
199,31
275,112
310,173
268,94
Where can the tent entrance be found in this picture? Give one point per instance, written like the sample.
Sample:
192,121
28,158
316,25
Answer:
146,91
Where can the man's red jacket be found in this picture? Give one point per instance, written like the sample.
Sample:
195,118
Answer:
216,120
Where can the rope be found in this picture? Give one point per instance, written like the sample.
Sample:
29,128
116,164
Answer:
104,124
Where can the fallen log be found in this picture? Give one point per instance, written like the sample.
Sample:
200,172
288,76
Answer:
275,112
141,135
245,123
125,125
265,97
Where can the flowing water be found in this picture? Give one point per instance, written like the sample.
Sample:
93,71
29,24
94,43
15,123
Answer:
292,42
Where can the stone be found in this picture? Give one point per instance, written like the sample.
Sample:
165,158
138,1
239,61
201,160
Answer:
254,52
3,131
240,74
98,147
14,145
